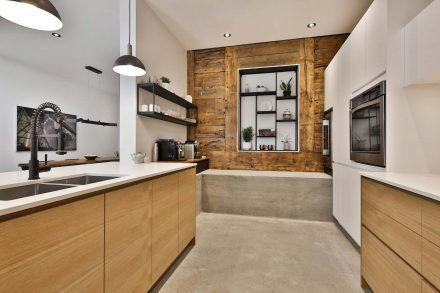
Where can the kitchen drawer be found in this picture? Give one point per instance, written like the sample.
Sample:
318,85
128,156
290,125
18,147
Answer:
383,270
404,242
431,221
431,262
403,207
427,288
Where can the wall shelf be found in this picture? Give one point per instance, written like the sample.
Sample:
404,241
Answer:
164,117
251,104
252,94
280,98
159,91
156,89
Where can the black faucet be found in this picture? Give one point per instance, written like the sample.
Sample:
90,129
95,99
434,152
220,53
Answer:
34,164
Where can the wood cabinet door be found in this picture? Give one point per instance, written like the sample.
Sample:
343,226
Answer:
187,207
165,223
427,288
60,249
128,214
384,271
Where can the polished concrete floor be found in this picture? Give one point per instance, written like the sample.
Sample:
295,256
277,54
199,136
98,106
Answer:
253,254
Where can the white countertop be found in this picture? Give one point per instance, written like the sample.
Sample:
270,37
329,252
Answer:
427,185
129,173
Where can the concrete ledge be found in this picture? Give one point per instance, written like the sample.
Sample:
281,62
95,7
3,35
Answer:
293,195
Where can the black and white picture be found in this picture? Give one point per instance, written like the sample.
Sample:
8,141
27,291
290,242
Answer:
47,134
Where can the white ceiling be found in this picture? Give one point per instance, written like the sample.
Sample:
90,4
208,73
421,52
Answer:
90,36
200,24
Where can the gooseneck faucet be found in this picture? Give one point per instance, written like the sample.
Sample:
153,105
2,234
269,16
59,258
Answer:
34,164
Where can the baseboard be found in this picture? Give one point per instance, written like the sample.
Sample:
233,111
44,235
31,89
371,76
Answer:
352,241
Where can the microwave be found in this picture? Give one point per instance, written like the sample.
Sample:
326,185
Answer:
367,126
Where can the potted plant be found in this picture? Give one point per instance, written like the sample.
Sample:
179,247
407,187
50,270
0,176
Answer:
165,82
248,135
286,87
261,88
286,142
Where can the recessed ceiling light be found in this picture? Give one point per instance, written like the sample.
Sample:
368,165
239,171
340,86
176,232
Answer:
227,35
56,35
312,24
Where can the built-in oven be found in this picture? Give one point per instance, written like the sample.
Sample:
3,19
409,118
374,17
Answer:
367,126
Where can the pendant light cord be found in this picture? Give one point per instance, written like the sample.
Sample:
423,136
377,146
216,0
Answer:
129,22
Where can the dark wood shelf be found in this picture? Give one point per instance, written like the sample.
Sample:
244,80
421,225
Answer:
156,89
164,117
266,136
251,94
290,120
280,98
266,112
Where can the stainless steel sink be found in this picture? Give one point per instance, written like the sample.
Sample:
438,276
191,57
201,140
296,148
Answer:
29,190
84,180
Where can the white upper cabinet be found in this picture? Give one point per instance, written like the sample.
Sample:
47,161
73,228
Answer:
357,55
368,46
376,40
422,47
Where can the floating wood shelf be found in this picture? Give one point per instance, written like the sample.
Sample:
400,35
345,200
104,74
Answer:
164,117
266,136
156,89
252,94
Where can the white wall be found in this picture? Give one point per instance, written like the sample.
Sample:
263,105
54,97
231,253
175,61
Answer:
162,55
22,85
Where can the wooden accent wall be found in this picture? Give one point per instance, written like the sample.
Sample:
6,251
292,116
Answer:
213,83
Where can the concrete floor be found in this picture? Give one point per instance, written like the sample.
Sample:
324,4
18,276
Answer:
252,254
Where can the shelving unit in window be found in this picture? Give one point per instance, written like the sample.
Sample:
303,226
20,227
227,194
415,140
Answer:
261,105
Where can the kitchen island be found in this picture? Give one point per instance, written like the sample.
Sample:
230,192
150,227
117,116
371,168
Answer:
117,235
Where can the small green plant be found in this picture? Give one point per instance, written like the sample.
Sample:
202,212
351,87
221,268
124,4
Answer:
286,87
248,134
165,79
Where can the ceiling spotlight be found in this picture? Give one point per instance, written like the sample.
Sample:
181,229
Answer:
312,24
56,35
227,35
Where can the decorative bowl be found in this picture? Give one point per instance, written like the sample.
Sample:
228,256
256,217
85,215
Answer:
90,157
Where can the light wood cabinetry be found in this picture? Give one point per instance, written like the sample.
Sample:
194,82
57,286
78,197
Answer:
120,241
427,288
60,249
405,225
128,214
384,270
187,207
165,224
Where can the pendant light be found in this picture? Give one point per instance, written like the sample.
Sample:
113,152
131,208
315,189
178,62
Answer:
128,64
35,14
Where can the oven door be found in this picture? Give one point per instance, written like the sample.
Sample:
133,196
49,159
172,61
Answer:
367,128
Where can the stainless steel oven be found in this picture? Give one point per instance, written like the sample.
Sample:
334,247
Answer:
367,126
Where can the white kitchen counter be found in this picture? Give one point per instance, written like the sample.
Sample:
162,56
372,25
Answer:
129,173
427,185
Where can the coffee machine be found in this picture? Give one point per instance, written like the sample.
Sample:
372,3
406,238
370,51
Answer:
192,150
170,150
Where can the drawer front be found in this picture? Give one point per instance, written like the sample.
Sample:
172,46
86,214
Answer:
431,221
431,262
427,288
404,242
384,271
403,207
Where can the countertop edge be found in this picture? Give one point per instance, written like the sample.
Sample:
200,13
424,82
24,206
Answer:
87,189
379,176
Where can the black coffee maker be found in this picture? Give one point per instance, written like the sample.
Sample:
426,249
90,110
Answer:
170,150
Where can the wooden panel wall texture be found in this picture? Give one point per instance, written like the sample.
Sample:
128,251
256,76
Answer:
213,83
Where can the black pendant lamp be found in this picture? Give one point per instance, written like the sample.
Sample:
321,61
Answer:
35,14
128,64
